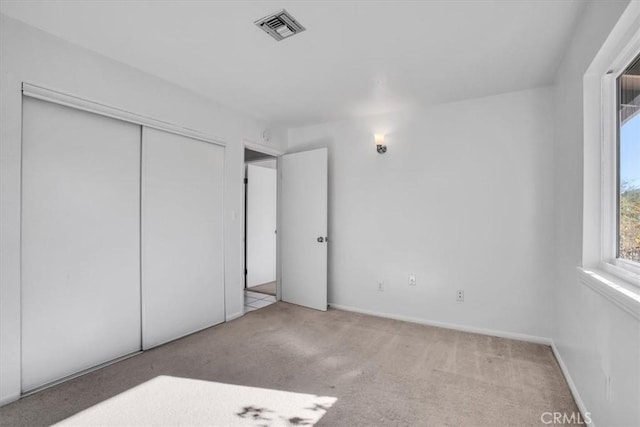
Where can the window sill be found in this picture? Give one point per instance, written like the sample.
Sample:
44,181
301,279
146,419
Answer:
616,290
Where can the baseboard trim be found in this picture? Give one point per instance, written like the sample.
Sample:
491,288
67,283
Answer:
455,326
234,316
572,386
79,374
9,399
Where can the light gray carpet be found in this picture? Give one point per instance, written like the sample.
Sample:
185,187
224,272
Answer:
265,288
383,372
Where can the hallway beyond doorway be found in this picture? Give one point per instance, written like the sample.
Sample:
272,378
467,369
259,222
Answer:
265,288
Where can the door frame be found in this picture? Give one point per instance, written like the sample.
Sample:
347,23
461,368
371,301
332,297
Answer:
275,153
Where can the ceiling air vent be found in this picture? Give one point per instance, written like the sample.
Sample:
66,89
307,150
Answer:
280,25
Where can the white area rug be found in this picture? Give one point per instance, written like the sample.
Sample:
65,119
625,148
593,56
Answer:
171,401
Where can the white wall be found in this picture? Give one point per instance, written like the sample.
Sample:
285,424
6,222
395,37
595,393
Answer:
261,217
270,163
595,338
27,54
462,198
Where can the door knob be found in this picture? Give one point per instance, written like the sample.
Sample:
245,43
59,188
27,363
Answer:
320,239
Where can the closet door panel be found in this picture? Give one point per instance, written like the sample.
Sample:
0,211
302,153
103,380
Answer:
80,241
182,240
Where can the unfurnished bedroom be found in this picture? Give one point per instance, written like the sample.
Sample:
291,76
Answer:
330,213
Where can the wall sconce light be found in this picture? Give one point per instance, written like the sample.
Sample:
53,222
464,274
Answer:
380,143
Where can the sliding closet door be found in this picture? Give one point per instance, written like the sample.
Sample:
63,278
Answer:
182,247
80,241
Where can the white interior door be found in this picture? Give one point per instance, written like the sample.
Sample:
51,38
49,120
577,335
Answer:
80,241
182,236
261,224
303,228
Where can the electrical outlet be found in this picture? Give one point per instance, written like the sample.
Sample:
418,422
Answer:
412,280
380,286
460,295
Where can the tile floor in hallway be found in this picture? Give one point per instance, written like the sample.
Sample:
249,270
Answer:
255,300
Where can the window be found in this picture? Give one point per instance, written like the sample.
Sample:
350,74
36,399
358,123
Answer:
620,163
628,163
611,167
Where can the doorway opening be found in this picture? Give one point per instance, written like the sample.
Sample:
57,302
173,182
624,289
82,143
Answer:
260,229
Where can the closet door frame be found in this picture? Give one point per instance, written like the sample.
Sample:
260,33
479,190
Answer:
58,97
39,92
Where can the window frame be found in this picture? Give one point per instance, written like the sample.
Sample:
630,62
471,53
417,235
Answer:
609,261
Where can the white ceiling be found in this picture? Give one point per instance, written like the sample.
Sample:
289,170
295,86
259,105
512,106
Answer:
356,57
